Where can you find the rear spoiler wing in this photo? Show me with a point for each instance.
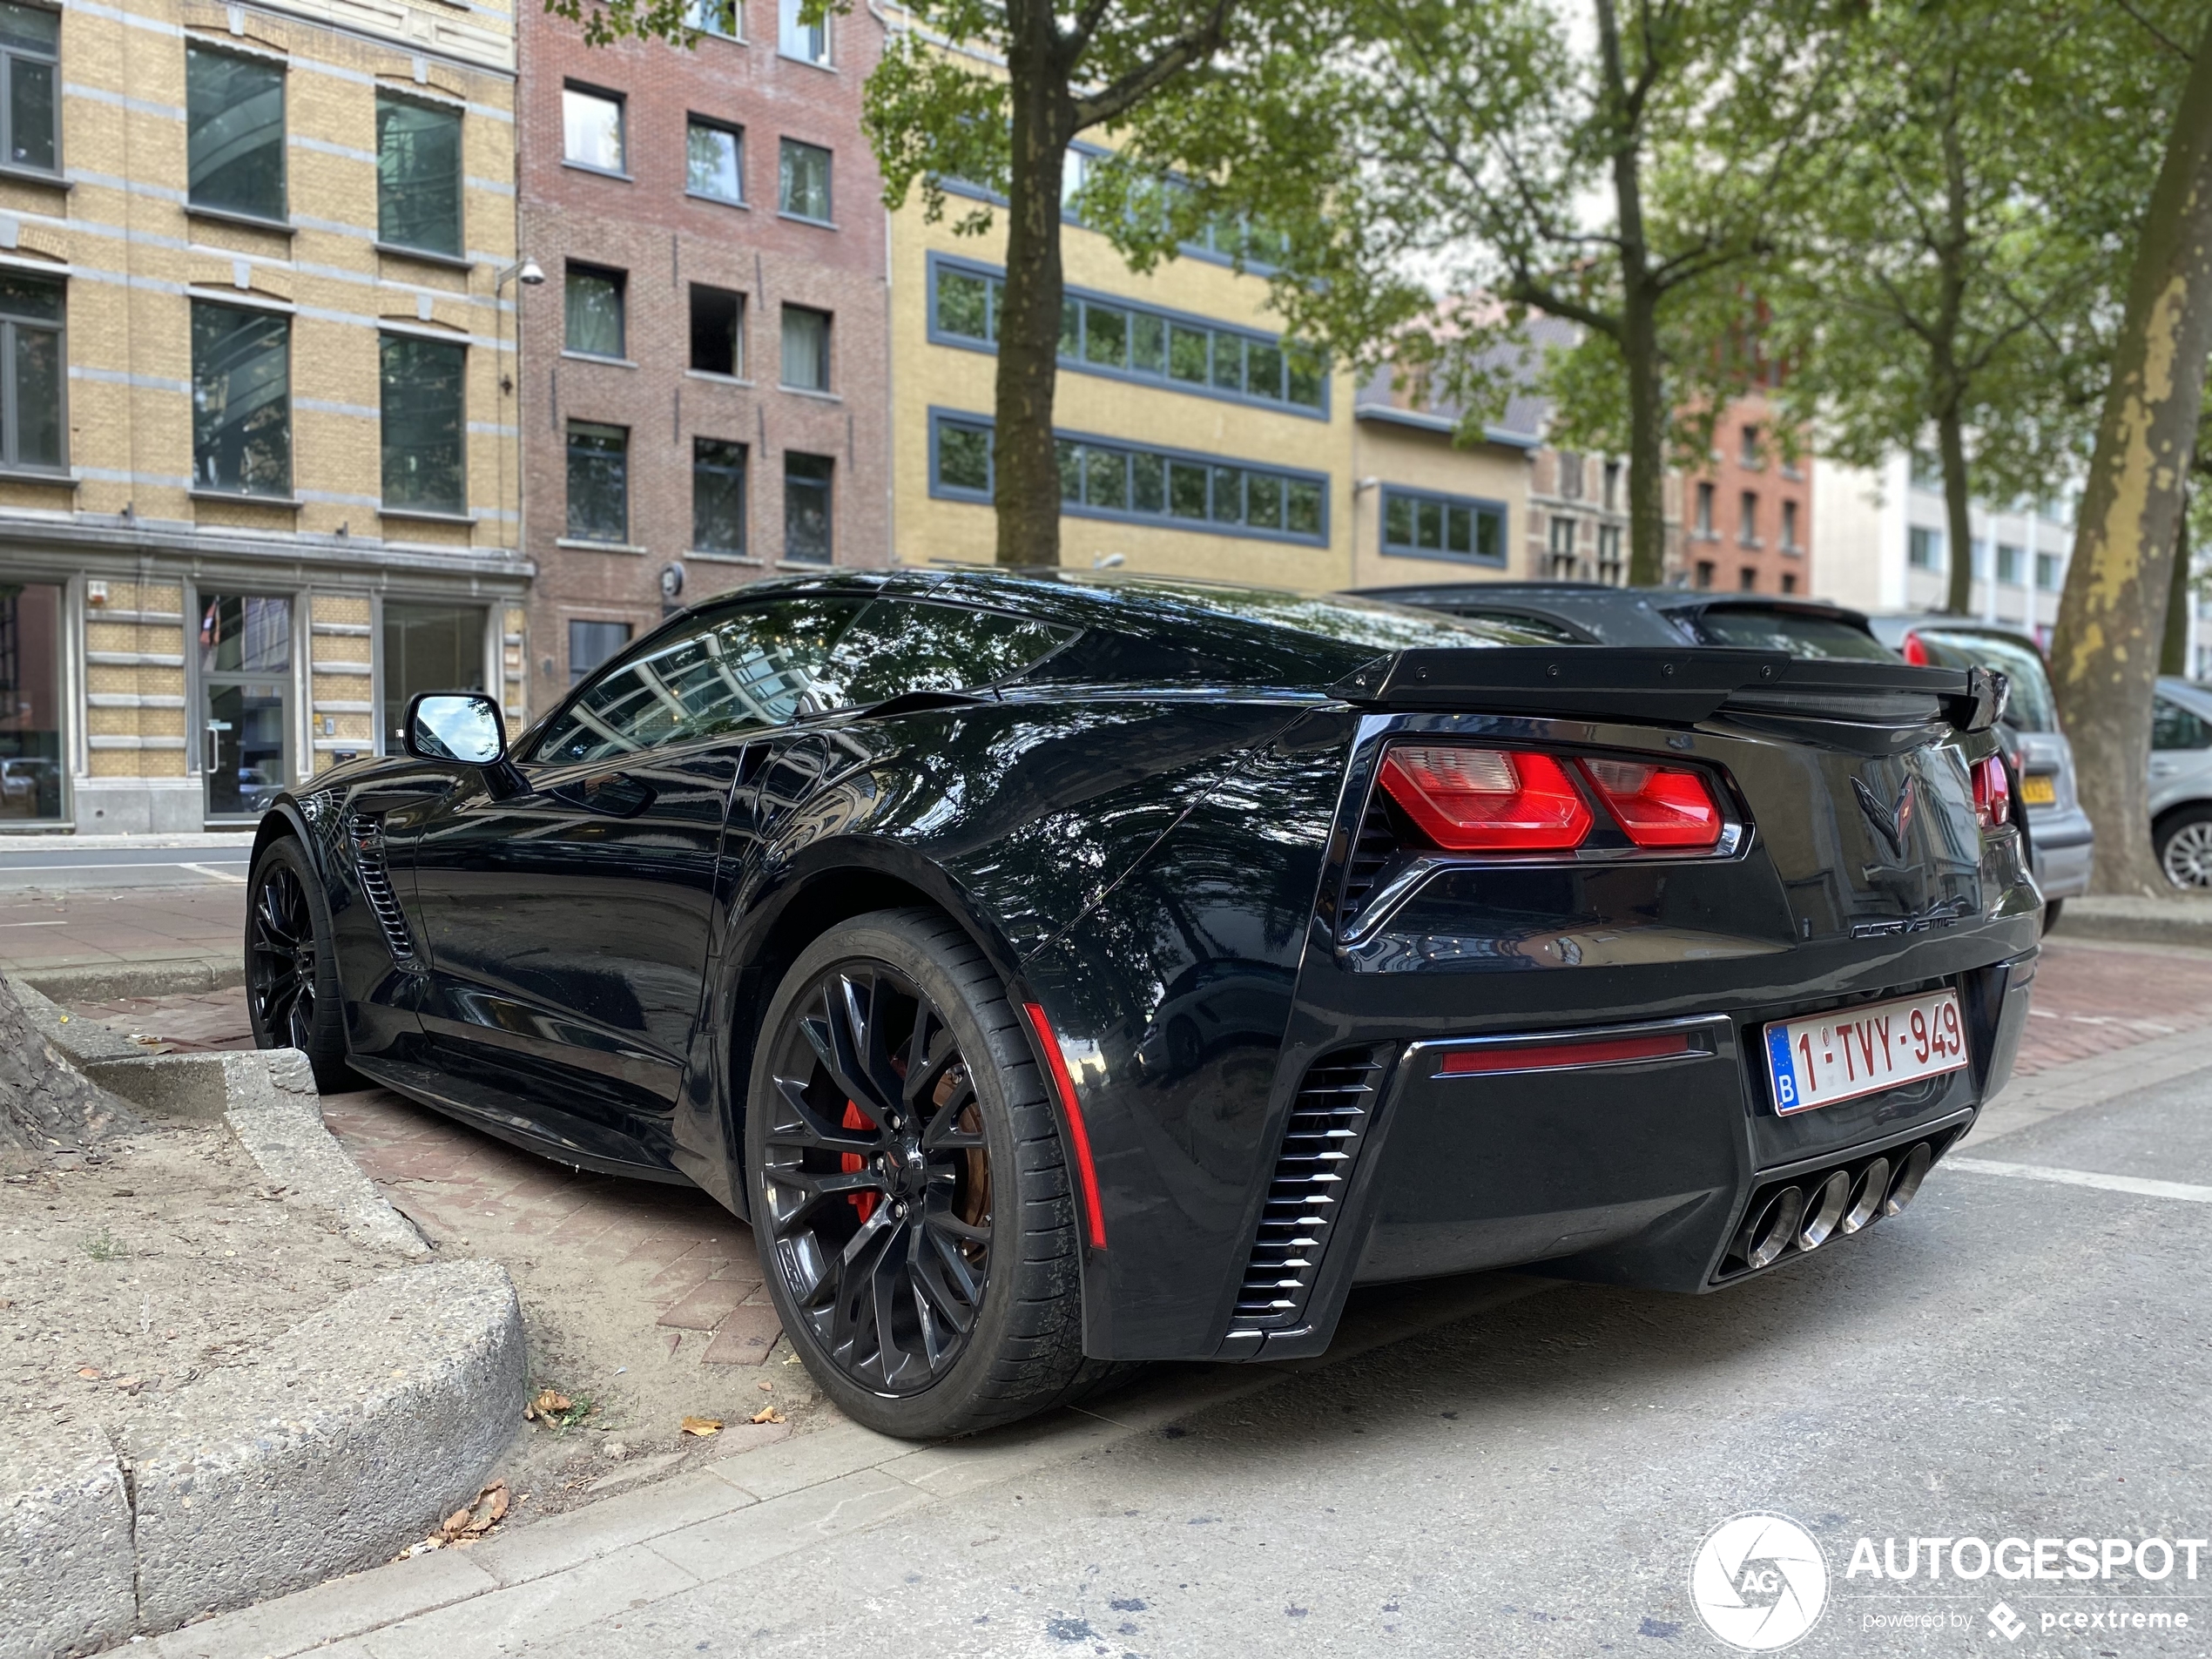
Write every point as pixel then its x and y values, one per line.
pixel 1645 682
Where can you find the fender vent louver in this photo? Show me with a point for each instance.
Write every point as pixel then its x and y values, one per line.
pixel 1321 1143
pixel 366 833
pixel 1376 850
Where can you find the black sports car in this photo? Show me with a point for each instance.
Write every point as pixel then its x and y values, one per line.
pixel 1061 971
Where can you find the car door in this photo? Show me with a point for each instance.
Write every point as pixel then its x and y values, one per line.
pixel 2180 754
pixel 568 923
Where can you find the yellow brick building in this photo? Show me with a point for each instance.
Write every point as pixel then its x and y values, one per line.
pixel 1194 441
pixel 257 467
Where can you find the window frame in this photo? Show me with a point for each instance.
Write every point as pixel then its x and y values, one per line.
pixel 10 393
pixel 736 21
pixel 621 280
pixel 744 473
pixel 827 360
pixel 437 106
pixel 994 278
pixel 289 494
pixel 282 70
pixel 939 418
pixel 736 369
pixel 568 435
pixel 829 510
pixel 785 145
pixel 388 507
pixel 7 100
pixel 733 129
pixel 607 95
pixel 1480 506
pixel 576 679
pixel 784 33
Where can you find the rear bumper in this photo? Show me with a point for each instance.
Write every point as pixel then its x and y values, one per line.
pixel 1642 1172
pixel 2063 846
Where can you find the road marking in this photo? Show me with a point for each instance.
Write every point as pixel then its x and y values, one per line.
pixel 208 869
pixel 33 924
pixel 2136 1184
pixel 151 864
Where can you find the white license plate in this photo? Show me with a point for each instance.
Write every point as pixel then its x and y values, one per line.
pixel 1824 1058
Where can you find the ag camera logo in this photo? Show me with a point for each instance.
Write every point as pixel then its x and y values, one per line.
pixel 1759 1581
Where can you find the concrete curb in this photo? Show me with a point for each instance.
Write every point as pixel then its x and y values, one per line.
pixel 106 982
pixel 67 1577
pixel 2178 920
pixel 363 1426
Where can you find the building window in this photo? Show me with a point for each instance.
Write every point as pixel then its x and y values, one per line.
pixel 598 483
pixel 803 181
pixel 1789 582
pixel 30 46
pixel 1127 482
pixel 808 42
pixel 1751 450
pixel 2046 572
pixel 591 130
pixel 714 17
pixel 246 683
pixel 235 133
pixel 33 370
pixel 1927 470
pixel 1610 570
pixel 418 175
pixel 1705 510
pixel 1746 519
pixel 427 648
pixel 718 331
pixel 1924 549
pixel 31 701
pixel 1570 474
pixel 717 495
pixel 1704 573
pixel 714 159
pixel 1562 547
pixel 595 311
pixel 591 644
pixel 1612 486
pixel 1790 527
pixel 241 400
pixel 806 348
pixel 2009 561
pixel 806 508
pixel 1748 579
pixel 1419 525
pixel 425 464
pixel 1107 336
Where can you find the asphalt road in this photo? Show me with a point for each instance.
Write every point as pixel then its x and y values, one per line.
pixel 70 869
pixel 2018 1356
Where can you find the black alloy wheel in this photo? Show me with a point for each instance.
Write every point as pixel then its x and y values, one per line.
pixel 292 994
pixel 909 1194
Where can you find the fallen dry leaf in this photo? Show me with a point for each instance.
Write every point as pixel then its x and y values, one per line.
pixel 551 1402
pixel 91 1373
pixel 766 1388
pixel 702 1426
pixel 480 1516
pixel 767 1414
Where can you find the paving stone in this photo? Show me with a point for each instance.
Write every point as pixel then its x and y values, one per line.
pixel 745 1338
pixel 706 1305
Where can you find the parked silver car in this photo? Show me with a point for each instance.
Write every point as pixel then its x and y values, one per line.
pixel 2060 839
pixel 2180 781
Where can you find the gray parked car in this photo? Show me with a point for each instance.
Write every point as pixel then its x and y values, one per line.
pixel 2063 844
pixel 2180 781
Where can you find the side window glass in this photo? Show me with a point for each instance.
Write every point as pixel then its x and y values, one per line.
pixel 2173 726
pixel 899 647
pixel 747 666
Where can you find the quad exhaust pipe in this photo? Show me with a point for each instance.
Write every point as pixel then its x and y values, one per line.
pixel 1804 1214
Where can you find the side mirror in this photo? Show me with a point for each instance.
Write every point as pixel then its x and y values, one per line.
pixel 464 727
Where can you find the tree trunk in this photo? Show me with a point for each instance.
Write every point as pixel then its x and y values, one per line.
pixel 46 1104
pixel 1959 598
pixel 1025 468
pixel 2174 655
pixel 2110 619
pixel 1639 336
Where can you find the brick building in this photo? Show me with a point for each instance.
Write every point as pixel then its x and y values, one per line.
pixel 703 364
pixel 255 456
pixel 1747 518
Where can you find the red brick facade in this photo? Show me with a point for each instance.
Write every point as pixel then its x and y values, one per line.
pixel 644 224
pixel 1747 520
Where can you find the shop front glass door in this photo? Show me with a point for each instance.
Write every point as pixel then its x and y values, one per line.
pixel 245 680
pixel 31 701
pixel 427 648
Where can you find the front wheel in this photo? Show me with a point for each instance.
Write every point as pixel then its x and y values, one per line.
pixel 912 1204
pixel 292 994
pixel 2185 848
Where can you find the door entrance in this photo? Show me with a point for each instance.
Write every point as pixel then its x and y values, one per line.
pixel 245 698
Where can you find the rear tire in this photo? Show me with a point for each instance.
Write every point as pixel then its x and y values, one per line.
pixel 912 1204
pixel 2184 844
pixel 293 996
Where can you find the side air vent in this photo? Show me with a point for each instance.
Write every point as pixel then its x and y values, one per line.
pixel 1372 854
pixel 1320 1148
pixel 366 831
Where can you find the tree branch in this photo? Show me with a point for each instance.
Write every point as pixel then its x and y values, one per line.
pixel 1132 89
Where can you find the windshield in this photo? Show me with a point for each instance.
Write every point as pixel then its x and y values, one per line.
pixel 2032 707
pixel 1801 633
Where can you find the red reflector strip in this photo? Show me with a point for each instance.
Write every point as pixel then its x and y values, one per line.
pixel 1064 1085
pixel 1552 1056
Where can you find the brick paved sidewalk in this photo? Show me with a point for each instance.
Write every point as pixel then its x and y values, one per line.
pixel 107 928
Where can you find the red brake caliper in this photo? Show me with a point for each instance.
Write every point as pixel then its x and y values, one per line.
pixel 853 1162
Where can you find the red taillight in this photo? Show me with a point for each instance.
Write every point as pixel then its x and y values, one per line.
pixel 1993 792
pixel 1915 652
pixel 1488 800
pixel 1657 805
